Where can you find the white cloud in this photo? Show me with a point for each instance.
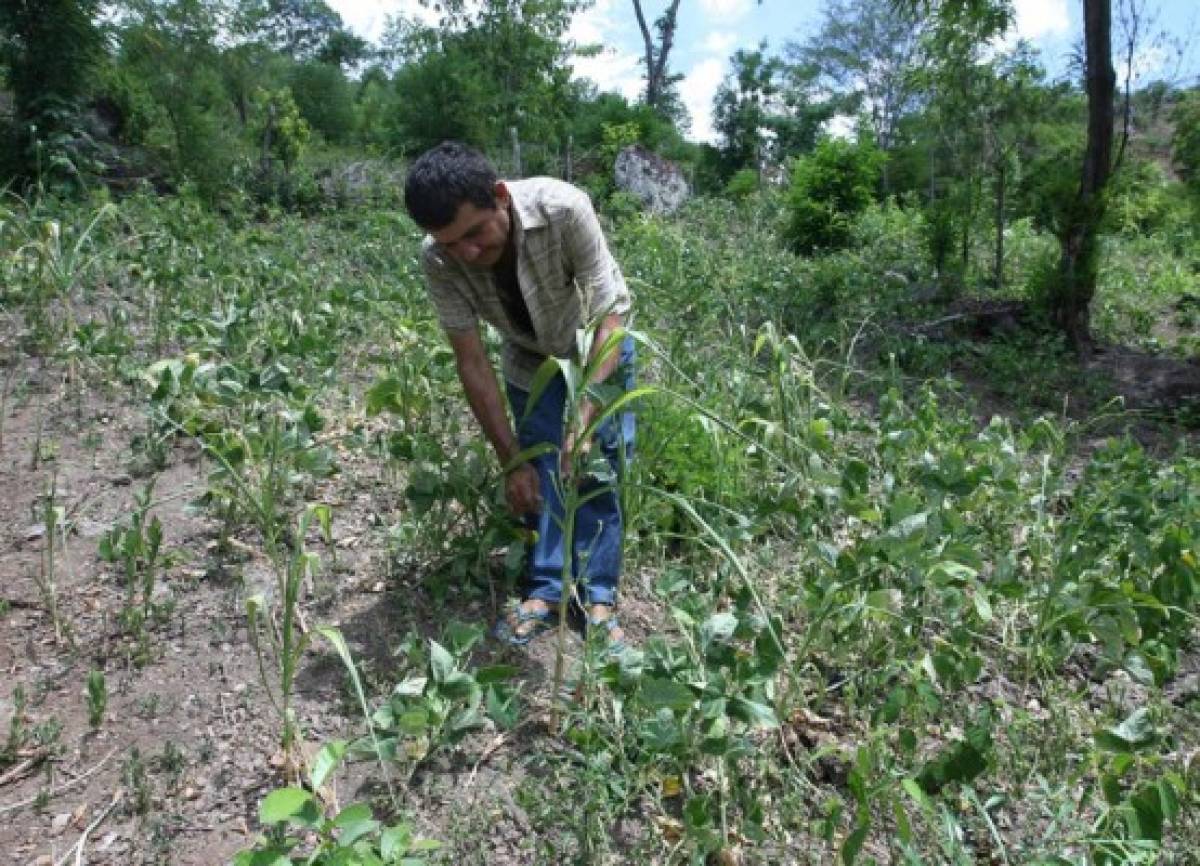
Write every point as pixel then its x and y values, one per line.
pixel 725 10
pixel 719 43
pixel 1148 65
pixel 698 88
pixel 1038 19
pixel 367 17
pixel 613 69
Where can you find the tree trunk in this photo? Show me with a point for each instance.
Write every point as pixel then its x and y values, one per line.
pixel 1001 177
pixel 656 58
pixel 1080 235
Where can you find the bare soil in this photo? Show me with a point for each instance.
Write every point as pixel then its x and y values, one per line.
pixel 189 743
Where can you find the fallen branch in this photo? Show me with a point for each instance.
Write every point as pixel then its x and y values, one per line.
pixel 54 792
pixel 77 848
pixel 22 769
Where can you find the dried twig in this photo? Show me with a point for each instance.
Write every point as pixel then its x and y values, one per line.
pixel 22 769
pixel 53 792
pixel 81 843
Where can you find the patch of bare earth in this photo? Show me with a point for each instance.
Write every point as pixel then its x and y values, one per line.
pixel 188 745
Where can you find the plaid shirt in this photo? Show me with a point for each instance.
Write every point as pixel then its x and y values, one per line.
pixel 566 274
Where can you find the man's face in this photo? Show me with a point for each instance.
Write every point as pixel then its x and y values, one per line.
pixel 478 236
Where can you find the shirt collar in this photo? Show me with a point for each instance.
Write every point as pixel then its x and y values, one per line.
pixel 524 204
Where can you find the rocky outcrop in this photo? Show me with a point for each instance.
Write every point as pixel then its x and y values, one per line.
pixel 656 182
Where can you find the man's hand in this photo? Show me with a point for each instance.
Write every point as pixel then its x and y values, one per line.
pixel 522 490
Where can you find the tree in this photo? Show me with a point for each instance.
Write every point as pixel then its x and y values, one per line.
pixel 762 113
pixel 305 30
pixel 744 106
pixel 170 48
pixel 657 53
pixel 867 55
pixel 830 188
pixel 484 68
pixel 1185 143
pixel 324 99
pixel 1079 240
pixel 1079 226
pixel 49 48
pixel 661 94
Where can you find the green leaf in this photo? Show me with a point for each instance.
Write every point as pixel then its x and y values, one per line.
pixel 1148 809
pixel 1135 733
pixel 852 847
pixel 394 842
pixel 496 674
pixel 326 761
pixel 293 805
pixel 961 761
pixel 273 856
pixel 914 791
pixel 355 822
pixel 753 713
pixel 719 626
pixel 461 636
pixel 441 663
pixel 667 694
pixel 384 395
pixel 982 606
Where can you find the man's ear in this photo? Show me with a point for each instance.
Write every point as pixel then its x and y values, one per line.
pixel 503 196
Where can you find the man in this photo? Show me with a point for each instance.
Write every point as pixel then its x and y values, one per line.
pixel 528 257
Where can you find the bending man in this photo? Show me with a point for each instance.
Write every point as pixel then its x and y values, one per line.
pixel 529 258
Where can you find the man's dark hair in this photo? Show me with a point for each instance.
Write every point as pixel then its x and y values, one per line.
pixel 445 177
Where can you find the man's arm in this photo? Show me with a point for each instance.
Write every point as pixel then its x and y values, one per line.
pixel 487 405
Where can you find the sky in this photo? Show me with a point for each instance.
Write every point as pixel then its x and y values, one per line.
pixel 709 31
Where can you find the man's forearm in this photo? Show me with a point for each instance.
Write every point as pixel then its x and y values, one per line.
pixel 483 395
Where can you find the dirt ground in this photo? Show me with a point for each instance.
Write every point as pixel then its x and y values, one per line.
pixel 189 742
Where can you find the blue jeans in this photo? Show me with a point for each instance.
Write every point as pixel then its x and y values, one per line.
pixel 596 546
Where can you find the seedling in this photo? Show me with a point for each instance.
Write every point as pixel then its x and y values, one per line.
pixel 97 698
pixel 53 522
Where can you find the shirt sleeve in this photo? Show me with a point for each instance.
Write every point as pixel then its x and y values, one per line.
pixel 454 311
pixel 596 271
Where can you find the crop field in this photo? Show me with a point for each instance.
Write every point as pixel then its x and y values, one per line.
pixel 891 599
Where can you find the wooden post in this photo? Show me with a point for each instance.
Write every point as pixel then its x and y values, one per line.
pixel 516 151
pixel 569 165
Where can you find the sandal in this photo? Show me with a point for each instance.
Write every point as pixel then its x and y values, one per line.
pixel 509 629
pixel 614 646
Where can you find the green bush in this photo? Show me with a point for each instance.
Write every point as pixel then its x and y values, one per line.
pixel 742 185
pixel 830 188
pixel 1143 200
pixel 1185 143
pixel 325 100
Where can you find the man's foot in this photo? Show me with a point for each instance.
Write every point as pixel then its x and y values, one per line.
pixel 603 619
pixel 524 621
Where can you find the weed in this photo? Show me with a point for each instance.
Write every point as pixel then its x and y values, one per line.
pixel 17 730
pixel 97 698
pixel 137 783
pixel 53 523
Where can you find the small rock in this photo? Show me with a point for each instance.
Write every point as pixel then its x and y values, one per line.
pixel 35 532
pixel 60 823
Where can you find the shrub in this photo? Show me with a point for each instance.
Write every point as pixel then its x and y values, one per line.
pixel 742 185
pixel 830 187
pixel 1185 143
